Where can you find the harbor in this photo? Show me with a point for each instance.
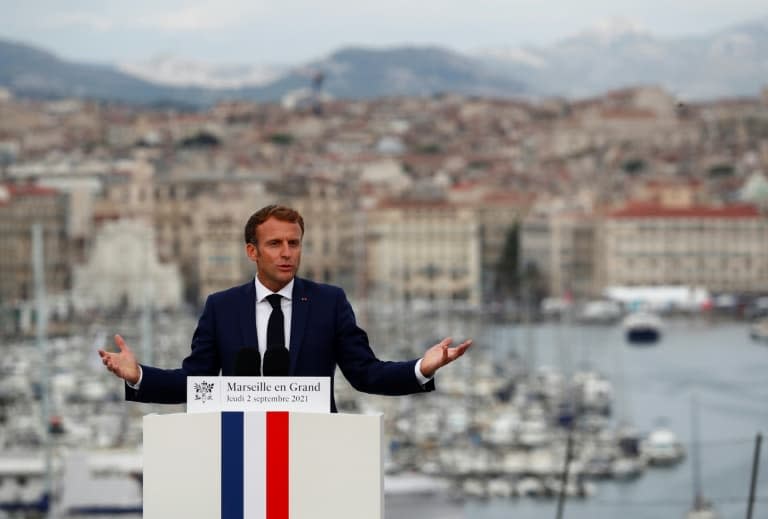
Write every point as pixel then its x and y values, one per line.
pixel 715 362
pixel 492 440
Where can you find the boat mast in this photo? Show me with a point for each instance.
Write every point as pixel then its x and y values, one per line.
pixel 147 302
pixel 700 504
pixel 41 309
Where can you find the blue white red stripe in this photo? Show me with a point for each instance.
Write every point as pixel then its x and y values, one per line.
pixel 255 465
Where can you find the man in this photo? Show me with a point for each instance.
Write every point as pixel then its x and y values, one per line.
pixel 315 322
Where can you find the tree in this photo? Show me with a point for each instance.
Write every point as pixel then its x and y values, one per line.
pixel 507 269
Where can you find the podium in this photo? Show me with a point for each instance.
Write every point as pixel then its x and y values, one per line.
pixel 263 465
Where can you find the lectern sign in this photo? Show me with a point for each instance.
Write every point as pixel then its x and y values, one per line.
pixel 304 394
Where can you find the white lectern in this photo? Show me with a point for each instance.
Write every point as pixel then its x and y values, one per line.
pixel 263 465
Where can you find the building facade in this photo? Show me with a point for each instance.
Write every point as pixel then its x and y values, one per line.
pixel 721 248
pixel 424 251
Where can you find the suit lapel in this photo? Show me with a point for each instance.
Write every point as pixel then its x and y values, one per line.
pixel 300 314
pixel 248 316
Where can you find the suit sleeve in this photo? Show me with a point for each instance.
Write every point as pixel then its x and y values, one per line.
pixel 169 386
pixel 359 364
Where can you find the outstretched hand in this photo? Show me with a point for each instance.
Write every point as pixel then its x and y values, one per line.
pixel 441 354
pixel 122 363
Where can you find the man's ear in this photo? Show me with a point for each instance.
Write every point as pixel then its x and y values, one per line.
pixel 251 251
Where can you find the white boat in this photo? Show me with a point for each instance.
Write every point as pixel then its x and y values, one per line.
pixel 594 392
pixel 702 509
pixel 22 483
pixel 599 465
pixel 95 483
pixel 530 487
pixel 553 307
pixel 574 487
pixel 626 468
pixel 500 487
pixel 533 433
pixel 501 431
pixel 662 448
pixel 759 330
pixel 474 488
pixel 602 311
pixel 642 327
pixel 117 492
pixel 414 484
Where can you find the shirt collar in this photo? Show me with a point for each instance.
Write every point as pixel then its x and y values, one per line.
pixel 262 292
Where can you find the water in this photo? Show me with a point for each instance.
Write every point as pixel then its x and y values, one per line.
pixel 653 385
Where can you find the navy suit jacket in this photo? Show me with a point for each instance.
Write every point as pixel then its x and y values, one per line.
pixel 324 334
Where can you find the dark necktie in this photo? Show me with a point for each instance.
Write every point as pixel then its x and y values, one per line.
pixel 276 358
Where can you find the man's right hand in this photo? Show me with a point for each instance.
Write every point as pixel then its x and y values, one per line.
pixel 122 363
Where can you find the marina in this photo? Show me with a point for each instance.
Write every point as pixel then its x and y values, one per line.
pixel 491 440
pixel 716 361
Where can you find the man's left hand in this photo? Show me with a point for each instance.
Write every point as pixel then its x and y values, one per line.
pixel 441 354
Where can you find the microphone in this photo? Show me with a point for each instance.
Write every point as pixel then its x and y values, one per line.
pixel 248 363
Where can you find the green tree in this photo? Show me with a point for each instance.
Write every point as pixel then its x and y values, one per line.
pixel 507 269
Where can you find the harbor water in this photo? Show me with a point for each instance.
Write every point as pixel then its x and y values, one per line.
pixel 717 364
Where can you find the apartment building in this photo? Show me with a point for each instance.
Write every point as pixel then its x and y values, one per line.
pixel 565 249
pixel 218 221
pixel 333 246
pixel 21 206
pixel 199 221
pixel 425 250
pixel 721 248
pixel 123 271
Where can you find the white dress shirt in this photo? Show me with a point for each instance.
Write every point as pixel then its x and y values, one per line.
pixel 264 310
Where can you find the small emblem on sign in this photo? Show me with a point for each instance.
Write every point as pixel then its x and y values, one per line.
pixel 203 391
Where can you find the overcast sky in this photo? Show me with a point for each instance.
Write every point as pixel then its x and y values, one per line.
pixel 293 31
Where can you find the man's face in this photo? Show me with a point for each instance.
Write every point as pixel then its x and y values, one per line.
pixel 277 253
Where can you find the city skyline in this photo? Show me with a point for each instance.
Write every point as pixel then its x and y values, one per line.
pixel 240 32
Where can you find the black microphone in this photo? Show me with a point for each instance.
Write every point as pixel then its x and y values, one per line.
pixel 248 363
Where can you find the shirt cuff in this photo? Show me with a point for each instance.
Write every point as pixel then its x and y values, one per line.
pixel 137 385
pixel 419 375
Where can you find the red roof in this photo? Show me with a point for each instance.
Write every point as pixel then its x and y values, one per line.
pixel 416 204
pixel 657 211
pixel 509 197
pixel 29 190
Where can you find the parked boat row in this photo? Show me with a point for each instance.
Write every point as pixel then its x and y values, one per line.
pixel 496 428
pixel 79 483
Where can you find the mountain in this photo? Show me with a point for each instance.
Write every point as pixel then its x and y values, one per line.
pixel 361 72
pixel 173 71
pixel 727 63
pixel 31 72
pixel 349 73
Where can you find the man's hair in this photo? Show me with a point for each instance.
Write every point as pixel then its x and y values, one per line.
pixel 280 212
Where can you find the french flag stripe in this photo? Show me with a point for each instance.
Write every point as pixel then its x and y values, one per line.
pixel 255 482
pixel 232 465
pixel 277 464
pixel 254 465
